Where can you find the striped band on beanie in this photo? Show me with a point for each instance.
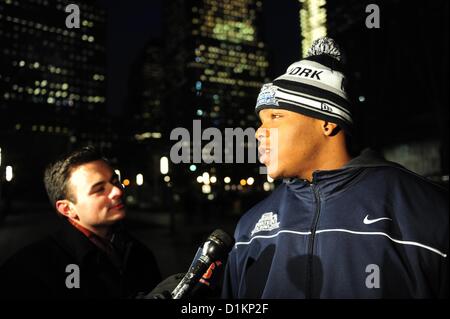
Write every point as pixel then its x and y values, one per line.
pixel 314 86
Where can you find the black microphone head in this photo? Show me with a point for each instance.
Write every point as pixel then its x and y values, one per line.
pixel 215 248
pixel 223 237
pixel 218 244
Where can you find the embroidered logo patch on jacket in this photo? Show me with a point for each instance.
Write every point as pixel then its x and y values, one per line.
pixel 268 221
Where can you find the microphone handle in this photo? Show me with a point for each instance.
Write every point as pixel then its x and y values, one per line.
pixel 192 276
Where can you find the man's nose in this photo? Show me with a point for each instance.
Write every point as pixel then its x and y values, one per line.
pixel 116 191
pixel 261 133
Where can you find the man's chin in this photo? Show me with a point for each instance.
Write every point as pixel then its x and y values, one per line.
pixel 279 174
pixel 117 214
pixel 273 172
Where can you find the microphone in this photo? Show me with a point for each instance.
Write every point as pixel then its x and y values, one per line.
pixel 216 247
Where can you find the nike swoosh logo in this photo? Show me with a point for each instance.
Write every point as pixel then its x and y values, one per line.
pixel 368 221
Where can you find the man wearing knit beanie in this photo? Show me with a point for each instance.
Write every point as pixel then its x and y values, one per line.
pixel 337 226
pixel 311 100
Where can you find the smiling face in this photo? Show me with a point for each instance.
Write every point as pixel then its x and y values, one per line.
pixel 96 194
pixel 289 143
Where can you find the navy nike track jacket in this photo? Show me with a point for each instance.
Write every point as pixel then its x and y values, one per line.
pixel 369 230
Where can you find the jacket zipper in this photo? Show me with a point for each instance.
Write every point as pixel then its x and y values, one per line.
pixel 309 277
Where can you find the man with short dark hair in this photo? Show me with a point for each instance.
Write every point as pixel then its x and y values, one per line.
pixel 91 256
pixel 338 226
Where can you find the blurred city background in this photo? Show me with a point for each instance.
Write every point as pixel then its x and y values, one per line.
pixel 135 70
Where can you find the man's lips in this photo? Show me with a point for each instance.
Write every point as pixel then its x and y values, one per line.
pixel 118 206
pixel 264 154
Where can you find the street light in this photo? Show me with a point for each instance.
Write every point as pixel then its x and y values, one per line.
pixel 206 189
pixel 164 165
pixel 9 173
pixel 205 177
pixel 139 179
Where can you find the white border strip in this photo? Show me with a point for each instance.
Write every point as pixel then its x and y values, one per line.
pixel 314 104
pixel 271 236
pixel 402 242
pixel 314 98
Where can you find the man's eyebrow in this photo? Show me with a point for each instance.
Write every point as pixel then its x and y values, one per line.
pixel 97 184
pixel 114 177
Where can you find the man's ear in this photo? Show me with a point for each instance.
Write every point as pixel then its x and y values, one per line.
pixel 64 207
pixel 329 129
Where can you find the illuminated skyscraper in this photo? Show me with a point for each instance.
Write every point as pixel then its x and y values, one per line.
pixel 219 46
pixel 217 63
pixel 52 80
pixel 44 63
pixel 313 22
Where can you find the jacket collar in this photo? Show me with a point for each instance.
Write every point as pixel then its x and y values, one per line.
pixel 333 181
pixel 74 242
pixel 369 158
pixel 77 244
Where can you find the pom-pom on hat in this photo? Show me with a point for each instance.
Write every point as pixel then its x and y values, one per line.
pixel 314 86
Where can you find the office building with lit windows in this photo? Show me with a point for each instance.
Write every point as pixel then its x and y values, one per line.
pixel 52 80
pixel 46 63
pixel 217 63
pixel 218 50
pixel 313 22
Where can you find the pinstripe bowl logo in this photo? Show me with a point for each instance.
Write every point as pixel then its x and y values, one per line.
pixel 267 95
pixel 268 221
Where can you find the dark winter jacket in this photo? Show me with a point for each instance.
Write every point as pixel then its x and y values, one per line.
pixel 369 230
pixel 68 265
